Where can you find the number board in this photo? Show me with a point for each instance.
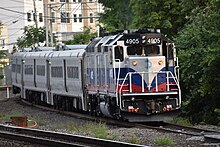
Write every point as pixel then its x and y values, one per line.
pixel 132 39
pixel 151 39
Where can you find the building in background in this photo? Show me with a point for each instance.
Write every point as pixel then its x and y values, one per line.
pixel 16 14
pixel 4 59
pixel 3 37
pixel 68 17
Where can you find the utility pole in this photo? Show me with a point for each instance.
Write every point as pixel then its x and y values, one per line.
pixel 35 19
pixel 51 26
pixel 35 14
pixel 46 23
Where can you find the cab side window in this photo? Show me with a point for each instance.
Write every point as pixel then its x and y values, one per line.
pixel 119 54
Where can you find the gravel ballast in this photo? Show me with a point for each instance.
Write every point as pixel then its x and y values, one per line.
pixel 57 122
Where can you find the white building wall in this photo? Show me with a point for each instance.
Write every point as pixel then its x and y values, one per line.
pixel 17 19
pixel 14 16
pixel 3 38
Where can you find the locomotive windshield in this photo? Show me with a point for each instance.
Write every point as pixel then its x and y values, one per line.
pixel 149 50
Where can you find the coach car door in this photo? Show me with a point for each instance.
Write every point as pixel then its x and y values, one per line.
pixel 48 81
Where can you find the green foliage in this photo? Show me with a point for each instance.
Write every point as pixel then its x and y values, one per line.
pixel 181 121
pixel 98 130
pixel 82 38
pixel 163 140
pixel 133 139
pixel 7 117
pixel 31 36
pixel 2 116
pixel 199 53
pixel 166 15
pixel 2 54
pixel 117 14
pixel 1 76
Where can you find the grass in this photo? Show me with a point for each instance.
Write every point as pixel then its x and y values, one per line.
pixel 164 140
pixel 181 121
pixel 133 139
pixel 7 117
pixel 98 130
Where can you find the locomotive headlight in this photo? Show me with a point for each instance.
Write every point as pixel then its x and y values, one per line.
pixel 134 63
pixel 132 99
pixel 160 62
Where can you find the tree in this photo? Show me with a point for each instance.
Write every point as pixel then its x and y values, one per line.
pixel 199 51
pixel 165 15
pixel 117 14
pixel 82 38
pixel 31 36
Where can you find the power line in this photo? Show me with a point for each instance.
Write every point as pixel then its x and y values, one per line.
pixel 12 10
pixel 22 2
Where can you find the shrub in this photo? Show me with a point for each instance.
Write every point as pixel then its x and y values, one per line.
pixel 164 140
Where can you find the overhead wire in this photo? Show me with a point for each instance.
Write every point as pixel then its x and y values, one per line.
pixel 22 2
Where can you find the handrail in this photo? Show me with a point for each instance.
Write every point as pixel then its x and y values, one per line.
pixel 142 73
pixel 119 70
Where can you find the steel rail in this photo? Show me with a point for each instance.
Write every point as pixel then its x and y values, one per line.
pixel 37 140
pixel 209 135
pixel 57 139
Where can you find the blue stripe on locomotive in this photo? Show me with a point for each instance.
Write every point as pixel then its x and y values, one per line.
pixel 137 79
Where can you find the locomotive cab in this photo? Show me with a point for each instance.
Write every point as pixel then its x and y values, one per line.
pixel 146 71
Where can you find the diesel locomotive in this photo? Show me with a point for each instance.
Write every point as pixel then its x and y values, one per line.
pixel 133 75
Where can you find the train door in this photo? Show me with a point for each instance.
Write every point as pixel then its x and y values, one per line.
pixel 118 58
pixel 118 54
pixel 16 70
pixel 49 98
pixel 98 71
pixel 35 68
pixel 106 71
pixel 65 75
pixel 22 78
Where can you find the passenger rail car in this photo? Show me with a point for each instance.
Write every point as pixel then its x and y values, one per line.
pixel 121 75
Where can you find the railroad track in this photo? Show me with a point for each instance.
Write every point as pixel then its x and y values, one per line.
pixel 48 138
pixel 208 135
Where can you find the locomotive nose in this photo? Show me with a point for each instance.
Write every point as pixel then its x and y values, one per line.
pixel 146 70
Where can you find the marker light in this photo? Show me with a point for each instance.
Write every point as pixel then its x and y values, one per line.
pixel 160 62
pixel 134 63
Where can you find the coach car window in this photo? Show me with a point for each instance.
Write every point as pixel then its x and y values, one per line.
pixel 57 71
pixel 73 72
pixel 18 69
pixel 119 53
pixel 28 69
pixel 13 67
pixel 40 70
